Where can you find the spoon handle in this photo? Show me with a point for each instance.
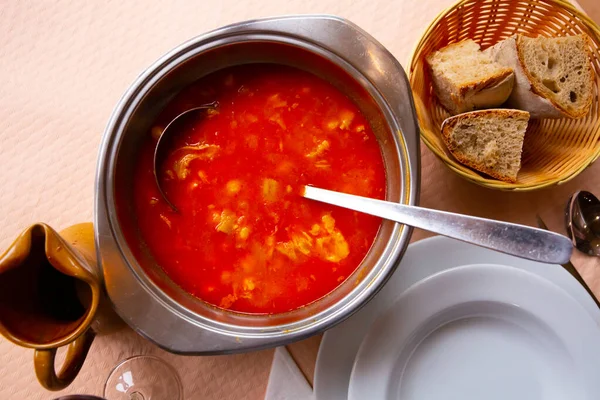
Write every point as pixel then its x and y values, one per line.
pixel 517 240
pixel 571 268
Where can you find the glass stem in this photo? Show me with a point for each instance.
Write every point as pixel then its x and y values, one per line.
pixel 136 396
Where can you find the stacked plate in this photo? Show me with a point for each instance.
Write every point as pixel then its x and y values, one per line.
pixel 460 322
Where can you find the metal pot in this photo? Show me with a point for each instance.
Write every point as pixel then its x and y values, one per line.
pixel 327 46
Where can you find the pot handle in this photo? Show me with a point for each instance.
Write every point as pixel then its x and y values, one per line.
pixel 43 361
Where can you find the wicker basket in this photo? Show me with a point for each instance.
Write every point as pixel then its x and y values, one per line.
pixel 554 150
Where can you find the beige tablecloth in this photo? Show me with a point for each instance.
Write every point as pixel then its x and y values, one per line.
pixel 64 65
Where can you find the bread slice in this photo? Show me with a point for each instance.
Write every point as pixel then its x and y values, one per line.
pixel 554 76
pixel 489 141
pixel 466 79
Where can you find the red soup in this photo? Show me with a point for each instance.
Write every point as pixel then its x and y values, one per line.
pixel 244 239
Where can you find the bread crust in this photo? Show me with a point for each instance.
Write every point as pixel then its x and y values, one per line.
pixel 488 92
pixel 450 123
pixel 491 81
pixel 505 52
pixel 536 87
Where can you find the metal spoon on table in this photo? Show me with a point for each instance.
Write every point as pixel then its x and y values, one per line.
pixel 582 220
pixel 165 140
pixel 570 268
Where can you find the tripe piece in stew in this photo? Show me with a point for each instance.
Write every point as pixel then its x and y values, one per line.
pixel 244 239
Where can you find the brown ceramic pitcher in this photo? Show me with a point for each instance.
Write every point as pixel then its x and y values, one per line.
pixel 51 295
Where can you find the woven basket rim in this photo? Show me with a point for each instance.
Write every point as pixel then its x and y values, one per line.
pixel 473 176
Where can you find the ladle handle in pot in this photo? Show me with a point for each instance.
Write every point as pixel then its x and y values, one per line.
pixel 43 361
pixel 517 240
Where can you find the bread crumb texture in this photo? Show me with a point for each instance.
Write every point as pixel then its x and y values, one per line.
pixel 490 141
pixel 560 70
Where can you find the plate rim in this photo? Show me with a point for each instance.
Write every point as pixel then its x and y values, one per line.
pixel 332 372
pixel 581 324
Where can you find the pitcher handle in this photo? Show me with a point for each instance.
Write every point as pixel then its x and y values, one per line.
pixel 43 361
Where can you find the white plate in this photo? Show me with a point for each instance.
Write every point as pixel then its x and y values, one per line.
pixel 480 331
pixel 422 259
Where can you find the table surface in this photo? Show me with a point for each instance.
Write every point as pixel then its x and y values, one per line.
pixel 64 65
